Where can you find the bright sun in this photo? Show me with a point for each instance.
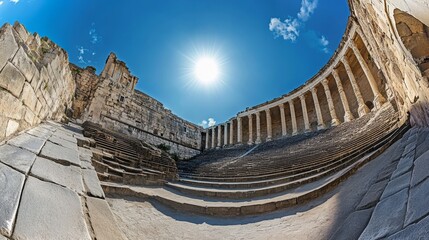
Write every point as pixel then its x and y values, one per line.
pixel 206 70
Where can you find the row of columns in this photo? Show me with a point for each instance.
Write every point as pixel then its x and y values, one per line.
pixel 348 116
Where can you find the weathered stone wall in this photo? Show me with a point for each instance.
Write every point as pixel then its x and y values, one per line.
pixel 35 80
pixel 396 35
pixel 111 101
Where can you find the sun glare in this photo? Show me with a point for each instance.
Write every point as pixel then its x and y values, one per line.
pixel 205 67
pixel 206 70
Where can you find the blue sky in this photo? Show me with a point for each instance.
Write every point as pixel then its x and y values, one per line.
pixel 265 48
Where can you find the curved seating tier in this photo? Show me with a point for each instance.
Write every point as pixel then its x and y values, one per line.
pixel 126 160
pixel 283 164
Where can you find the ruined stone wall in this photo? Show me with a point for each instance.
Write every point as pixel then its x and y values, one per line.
pixel 396 34
pixel 35 80
pixel 115 105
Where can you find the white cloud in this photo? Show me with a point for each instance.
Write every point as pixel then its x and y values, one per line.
pixel 14 1
pixel 81 53
pixel 287 29
pixel 1 3
pixel 207 123
pixel 324 43
pixel 307 8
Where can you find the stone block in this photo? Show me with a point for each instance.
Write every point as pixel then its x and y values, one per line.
pixel 404 165
pixel 29 97
pixel 387 218
pixel 373 195
pixel 11 79
pixel 21 31
pixel 8 45
pixel 397 185
pixel 353 226
pixel 12 127
pixel 419 231
pixel 92 184
pixel 24 64
pixel 418 203
pixel 60 154
pixel 28 142
pixel 67 176
pixel 49 211
pixel 29 116
pixel 102 220
pixel 66 136
pixel 40 132
pixel 3 126
pixel 18 158
pixel 10 188
pixel 421 169
pixel 62 142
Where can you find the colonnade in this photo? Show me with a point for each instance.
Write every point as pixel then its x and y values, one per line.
pixel 232 131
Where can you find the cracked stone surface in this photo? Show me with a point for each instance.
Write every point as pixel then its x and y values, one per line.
pixel 28 142
pixel 63 142
pixel 373 195
pixel 68 176
pixel 65 135
pixel 396 185
pixel 421 169
pixel 102 219
pixel 388 217
pixel 92 184
pixel 404 165
pixel 418 203
pixel 355 224
pixel 61 154
pixel 49 211
pixel 17 158
pixel 419 231
pixel 10 188
pixel 40 132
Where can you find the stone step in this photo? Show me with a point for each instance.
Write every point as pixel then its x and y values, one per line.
pixel 234 207
pixel 315 166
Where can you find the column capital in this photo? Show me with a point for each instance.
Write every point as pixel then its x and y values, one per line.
pixel 314 90
pixel 325 82
pixel 267 110
pixel 302 97
pixel 281 106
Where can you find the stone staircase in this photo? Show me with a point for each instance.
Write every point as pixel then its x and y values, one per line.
pixel 280 183
pixel 126 160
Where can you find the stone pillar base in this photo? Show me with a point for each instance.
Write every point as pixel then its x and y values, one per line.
pixel 348 117
pixel 250 143
pixel 335 122
pixel 379 100
pixel 269 139
pixel 294 133
pixel 258 141
pixel 363 110
pixel 321 126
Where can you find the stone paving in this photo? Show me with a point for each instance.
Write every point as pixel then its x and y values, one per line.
pixel 49 189
pixel 400 209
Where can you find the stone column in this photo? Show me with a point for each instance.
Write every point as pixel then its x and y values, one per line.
pixel 219 136
pixel 225 134
pixel 283 119
pixel 320 123
pixel 348 116
pixel 378 98
pixel 239 133
pixel 231 132
pixel 293 117
pixel 334 121
pixel 207 138
pixel 269 125
pixel 213 137
pixel 304 113
pixel 258 127
pixel 250 142
pixel 362 109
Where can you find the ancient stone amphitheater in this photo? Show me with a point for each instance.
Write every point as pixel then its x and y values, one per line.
pixel 344 156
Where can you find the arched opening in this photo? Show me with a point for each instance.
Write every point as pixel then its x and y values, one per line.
pixel 369 104
pixel 415 37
